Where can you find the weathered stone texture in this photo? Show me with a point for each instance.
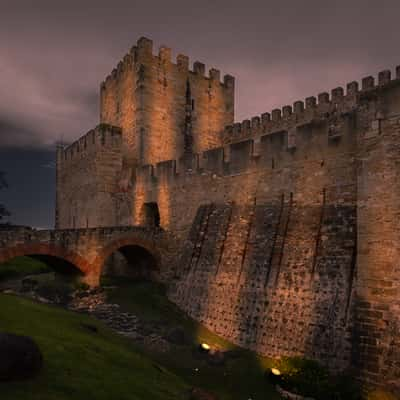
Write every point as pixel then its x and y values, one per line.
pixel 89 249
pixel 87 180
pixel 145 96
pixel 287 224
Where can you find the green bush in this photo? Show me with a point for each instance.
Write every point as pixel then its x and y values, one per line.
pixel 308 378
pixel 304 377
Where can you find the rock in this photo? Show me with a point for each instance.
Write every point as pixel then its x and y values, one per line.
pixel 28 284
pixel 96 290
pixel 81 294
pixel 9 291
pixel 201 394
pixel 177 336
pixel 216 357
pixel 156 343
pixel 20 357
pixel 55 292
pixel 89 327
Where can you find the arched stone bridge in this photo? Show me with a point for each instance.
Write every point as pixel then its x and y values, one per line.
pixel 88 249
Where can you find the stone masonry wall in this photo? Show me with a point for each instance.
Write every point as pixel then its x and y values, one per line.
pixel 145 96
pixel 293 247
pixel 272 247
pixel 287 223
pixel 88 172
pixel 376 349
pixel 87 250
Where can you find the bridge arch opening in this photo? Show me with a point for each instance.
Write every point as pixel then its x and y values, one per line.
pixel 20 260
pixel 57 264
pixel 133 262
pixel 38 263
pixel 50 277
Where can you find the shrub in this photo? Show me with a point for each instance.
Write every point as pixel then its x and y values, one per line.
pixel 304 377
pixel 308 378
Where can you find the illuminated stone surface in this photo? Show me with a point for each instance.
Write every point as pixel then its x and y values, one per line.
pixel 286 226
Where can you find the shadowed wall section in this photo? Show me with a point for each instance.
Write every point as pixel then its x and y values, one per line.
pixel 265 280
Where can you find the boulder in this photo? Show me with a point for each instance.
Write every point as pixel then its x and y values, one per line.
pixel 216 357
pixel 177 336
pixel 28 284
pixel 201 394
pixel 20 357
pixel 55 292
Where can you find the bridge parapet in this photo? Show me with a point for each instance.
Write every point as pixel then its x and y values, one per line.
pixel 88 249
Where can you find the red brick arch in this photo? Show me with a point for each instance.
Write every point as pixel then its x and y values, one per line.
pixel 131 240
pixel 47 250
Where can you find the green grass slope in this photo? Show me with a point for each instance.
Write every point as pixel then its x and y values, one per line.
pixel 22 266
pixel 240 378
pixel 79 364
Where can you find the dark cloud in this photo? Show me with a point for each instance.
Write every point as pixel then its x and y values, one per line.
pixel 12 133
pixel 54 54
pixel 30 195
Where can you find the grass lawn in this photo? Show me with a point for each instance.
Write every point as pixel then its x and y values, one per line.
pixel 22 266
pixel 241 378
pixel 80 364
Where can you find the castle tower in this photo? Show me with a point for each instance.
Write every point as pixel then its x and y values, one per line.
pixel 147 96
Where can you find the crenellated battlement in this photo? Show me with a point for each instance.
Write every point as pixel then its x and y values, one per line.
pixel 96 139
pixel 269 151
pixel 321 108
pixel 142 53
pixel 150 95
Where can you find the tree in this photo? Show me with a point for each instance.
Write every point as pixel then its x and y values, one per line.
pixel 3 184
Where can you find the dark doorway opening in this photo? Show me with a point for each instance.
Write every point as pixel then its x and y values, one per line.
pixel 151 215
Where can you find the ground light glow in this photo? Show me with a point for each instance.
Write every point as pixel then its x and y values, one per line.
pixel 276 371
pixel 205 346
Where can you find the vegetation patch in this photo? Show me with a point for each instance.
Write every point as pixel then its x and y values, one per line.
pixel 82 363
pixel 232 373
pixel 308 378
pixel 22 266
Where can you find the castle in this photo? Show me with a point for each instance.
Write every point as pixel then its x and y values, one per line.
pixel 287 224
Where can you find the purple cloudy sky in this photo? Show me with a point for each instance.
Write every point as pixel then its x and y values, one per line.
pixel 53 55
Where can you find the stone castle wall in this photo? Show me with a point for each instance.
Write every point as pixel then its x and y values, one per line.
pixel 269 261
pixel 145 96
pixel 287 223
pixel 295 236
pixel 88 172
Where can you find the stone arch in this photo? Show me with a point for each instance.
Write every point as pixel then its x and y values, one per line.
pixel 40 249
pixel 131 241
